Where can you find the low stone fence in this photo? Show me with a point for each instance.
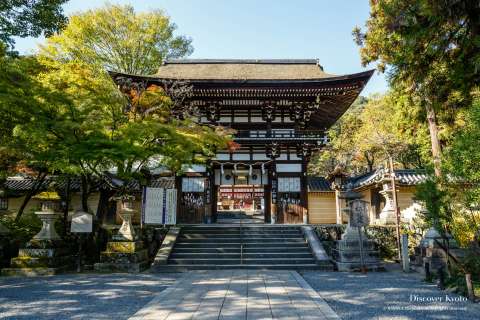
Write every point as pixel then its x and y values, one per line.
pixel 383 236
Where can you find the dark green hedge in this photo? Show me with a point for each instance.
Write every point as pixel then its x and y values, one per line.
pixel 384 237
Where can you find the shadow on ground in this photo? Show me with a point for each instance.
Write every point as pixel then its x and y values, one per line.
pixel 388 295
pixel 79 296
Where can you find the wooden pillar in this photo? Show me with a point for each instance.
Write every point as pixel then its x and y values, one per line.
pixel 267 198
pixel 178 187
pixel 338 206
pixel 208 212
pixel 214 196
pixel 273 180
pixel 304 191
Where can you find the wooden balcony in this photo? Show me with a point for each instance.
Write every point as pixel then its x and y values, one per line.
pixel 282 135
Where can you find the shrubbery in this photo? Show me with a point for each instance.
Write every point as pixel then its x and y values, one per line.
pixel 383 236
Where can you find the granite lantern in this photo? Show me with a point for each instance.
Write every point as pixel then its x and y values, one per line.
pixel 46 253
pixel 125 252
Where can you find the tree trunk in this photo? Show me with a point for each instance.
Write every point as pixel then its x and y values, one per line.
pixel 436 148
pixel 370 162
pixel 104 206
pixel 67 204
pixel 84 193
pixel 470 290
pixel 37 185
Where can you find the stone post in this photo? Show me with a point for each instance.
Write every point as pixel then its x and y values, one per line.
pixel 355 251
pixel 405 255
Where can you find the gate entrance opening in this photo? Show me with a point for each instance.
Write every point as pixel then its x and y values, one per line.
pixel 240 203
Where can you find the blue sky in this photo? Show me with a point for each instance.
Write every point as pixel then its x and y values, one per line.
pixel 262 29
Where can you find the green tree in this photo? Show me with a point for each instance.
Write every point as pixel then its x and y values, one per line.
pixel 462 165
pixel 368 134
pixel 119 39
pixel 30 18
pixel 19 106
pixel 431 50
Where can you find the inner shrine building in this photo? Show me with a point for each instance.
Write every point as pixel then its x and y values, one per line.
pixel 280 111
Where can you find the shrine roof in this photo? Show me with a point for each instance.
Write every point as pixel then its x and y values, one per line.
pixel 24 183
pixel 404 177
pixel 242 69
pixel 319 184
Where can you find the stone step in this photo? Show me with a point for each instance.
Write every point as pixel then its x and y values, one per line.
pixel 242 240
pixel 256 228
pixel 230 247
pixel 207 245
pixel 227 261
pixel 246 249
pixel 244 234
pixel 237 255
pixel 188 267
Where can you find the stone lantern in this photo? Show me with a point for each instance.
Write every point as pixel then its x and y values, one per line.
pixel 3 230
pixel 126 231
pixel 337 179
pixel 45 253
pixel 125 252
pixel 355 251
pixel 388 214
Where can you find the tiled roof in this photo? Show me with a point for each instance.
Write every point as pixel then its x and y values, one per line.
pixel 406 177
pixel 19 183
pixel 318 184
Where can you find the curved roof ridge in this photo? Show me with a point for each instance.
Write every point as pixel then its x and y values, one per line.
pixel 242 61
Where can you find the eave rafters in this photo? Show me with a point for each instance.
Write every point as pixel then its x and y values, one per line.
pixel 272 93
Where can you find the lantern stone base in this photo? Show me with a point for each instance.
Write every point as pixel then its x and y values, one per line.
pixel 431 251
pixel 123 256
pixel 40 257
pixel 346 254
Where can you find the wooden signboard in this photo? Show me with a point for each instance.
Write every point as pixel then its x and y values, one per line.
pixel 159 206
pixel 359 213
pixel 81 222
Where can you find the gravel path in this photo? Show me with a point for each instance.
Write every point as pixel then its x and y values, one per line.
pixel 384 295
pixel 84 296
pixel 388 295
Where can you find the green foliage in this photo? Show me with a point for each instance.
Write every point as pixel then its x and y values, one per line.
pixel 30 18
pixel 462 158
pixel 117 38
pixel 99 128
pixel 437 211
pixel 431 46
pixel 383 236
pixel 18 106
pixel 23 230
pixel 371 130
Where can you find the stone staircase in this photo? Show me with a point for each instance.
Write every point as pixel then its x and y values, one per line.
pixel 241 247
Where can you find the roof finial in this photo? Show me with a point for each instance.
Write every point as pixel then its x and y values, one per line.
pixel 319 65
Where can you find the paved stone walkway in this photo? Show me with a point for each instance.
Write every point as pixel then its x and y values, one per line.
pixel 238 294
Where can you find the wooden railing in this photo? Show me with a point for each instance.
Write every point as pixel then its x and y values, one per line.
pixel 281 134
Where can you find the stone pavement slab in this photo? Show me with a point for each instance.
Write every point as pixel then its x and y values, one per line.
pixel 238 294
